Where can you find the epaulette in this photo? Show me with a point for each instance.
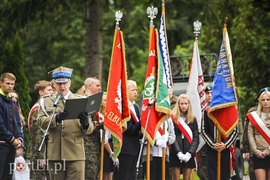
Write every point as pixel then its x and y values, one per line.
pixel 48 95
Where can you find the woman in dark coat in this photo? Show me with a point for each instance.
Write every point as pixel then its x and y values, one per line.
pixel 187 139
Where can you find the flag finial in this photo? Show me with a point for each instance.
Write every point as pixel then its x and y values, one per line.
pixel 118 17
pixel 226 20
pixel 152 12
pixel 197 28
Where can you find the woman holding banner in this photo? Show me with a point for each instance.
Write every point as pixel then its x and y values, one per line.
pixel 131 144
pixel 187 138
pixel 259 135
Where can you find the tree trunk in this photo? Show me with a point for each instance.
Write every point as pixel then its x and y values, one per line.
pixel 93 60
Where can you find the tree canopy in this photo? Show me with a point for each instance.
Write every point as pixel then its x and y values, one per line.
pixel 53 33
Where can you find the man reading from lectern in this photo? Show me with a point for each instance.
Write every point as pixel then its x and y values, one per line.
pixel 65 145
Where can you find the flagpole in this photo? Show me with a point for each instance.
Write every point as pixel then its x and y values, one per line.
pixel 219 133
pixel 102 155
pixel 164 157
pixel 218 157
pixel 152 12
pixel 118 16
pixel 144 133
pixel 197 27
pixel 164 130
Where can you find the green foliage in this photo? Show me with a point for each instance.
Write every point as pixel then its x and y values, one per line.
pixel 251 52
pixel 53 34
pixel 56 41
pixel 12 60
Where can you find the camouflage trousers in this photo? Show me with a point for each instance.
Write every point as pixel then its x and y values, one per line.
pixel 91 170
pixel 251 169
pixel 92 155
pixel 36 172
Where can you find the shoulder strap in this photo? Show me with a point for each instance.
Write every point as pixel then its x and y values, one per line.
pixel 35 107
pixel 42 106
pixel 184 128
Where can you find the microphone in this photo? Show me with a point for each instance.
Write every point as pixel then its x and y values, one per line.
pixel 58 97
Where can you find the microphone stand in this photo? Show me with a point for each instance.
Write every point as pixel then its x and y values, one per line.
pixel 139 165
pixel 45 139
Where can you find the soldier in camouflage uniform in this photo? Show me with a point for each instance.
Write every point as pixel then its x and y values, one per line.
pixel 92 141
pixel 42 88
pixel 92 154
pixel 202 168
pixel 247 153
pixel 173 99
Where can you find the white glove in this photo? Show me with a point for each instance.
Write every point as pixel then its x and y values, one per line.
pixel 165 136
pixel 115 161
pixel 161 142
pixel 186 157
pixel 180 155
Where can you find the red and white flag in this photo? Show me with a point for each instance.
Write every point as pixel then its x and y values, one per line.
pixel 195 88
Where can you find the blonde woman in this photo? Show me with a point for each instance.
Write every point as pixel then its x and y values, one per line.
pixel 258 135
pixel 187 138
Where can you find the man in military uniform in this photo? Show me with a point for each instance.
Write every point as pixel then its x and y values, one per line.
pixel 66 154
pixel 173 98
pixel 38 162
pixel 202 168
pixel 247 153
pixel 209 132
pixel 92 141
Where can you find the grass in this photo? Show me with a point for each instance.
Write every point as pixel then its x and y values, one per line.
pixel 193 176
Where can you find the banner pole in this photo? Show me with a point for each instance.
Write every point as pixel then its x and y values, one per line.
pixel 144 134
pixel 164 130
pixel 102 156
pixel 218 157
pixel 164 157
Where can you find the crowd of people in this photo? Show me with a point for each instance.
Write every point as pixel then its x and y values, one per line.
pixel 63 148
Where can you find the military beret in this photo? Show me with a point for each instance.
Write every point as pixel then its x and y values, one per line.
pixel 209 87
pixel 263 90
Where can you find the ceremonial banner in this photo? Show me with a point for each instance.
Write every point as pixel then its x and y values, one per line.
pixel 154 92
pixel 195 88
pixel 117 107
pixel 223 106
